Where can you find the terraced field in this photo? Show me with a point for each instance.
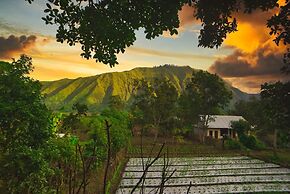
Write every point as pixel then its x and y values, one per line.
pixel 208 175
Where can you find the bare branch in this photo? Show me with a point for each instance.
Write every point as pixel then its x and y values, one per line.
pixel 147 168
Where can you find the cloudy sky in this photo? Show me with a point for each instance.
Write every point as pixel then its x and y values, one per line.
pixel 247 58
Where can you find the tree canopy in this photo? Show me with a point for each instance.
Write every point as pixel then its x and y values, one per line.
pixel 24 118
pixel 105 28
pixel 157 100
pixel 208 92
pixel 276 99
pixel 25 129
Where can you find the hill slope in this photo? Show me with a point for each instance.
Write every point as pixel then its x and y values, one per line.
pixel 95 91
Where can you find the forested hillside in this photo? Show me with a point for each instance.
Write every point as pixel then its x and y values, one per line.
pixel 95 91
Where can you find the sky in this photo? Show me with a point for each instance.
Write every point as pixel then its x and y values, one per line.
pixel 247 58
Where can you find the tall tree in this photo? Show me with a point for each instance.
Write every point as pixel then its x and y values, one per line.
pixel 276 98
pixel 24 129
pixel 105 28
pixel 208 94
pixel 252 111
pixel 157 100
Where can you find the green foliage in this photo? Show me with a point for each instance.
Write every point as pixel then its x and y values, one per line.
pixel 157 100
pixel 248 141
pixel 188 109
pixel 24 119
pixel 232 144
pixel 179 138
pixel 182 131
pixel 71 122
pixel 106 28
pixel 33 158
pixel 26 126
pixel 242 127
pixel 120 130
pixel 276 100
pixel 252 111
pixel 81 109
pixel 25 171
pixel 204 95
pixel 208 92
pixel 60 150
pixel 98 134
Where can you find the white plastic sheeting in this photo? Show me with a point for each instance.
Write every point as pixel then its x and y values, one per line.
pixel 209 175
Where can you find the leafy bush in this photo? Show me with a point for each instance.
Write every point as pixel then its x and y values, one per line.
pixel 184 131
pixel 120 130
pixel 232 144
pixel 251 142
pixel 243 127
pixel 179 139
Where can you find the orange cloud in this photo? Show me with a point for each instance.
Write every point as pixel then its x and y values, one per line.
pixel 252 30
pixel 12 45
pixel 186 16
pixel 248 37
pixel 252 84
pixel 256 58
pixel 248 70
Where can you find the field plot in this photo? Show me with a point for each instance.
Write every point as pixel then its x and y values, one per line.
pixel 208 175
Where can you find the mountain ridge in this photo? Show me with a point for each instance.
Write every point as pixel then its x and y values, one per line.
pixel 96 90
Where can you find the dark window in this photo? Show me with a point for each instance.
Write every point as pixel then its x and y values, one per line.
pixel 210 133
pixel 224 132
pixel 216 134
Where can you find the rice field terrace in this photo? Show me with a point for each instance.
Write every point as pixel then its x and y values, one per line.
pixel 238 174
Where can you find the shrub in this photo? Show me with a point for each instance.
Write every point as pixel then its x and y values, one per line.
pixel 232 144
pixel 179 139
pixel 150 130
pixel 251 142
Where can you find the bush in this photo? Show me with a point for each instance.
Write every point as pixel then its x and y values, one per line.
pixel 184 131
pixel 179 139
pixel 232 144
pixel 150 130
pixel 251 142
pixel 260 145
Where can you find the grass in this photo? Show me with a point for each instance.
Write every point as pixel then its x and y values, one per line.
pixel 282 156
pixel 190 149
pixel 116 177
pixel 175 149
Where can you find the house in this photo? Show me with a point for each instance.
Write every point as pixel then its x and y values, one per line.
pixel 220 125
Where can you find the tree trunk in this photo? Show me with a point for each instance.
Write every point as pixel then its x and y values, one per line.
pixel 275 139
pixel 108 126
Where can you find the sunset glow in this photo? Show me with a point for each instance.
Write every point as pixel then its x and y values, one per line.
pixel 53 60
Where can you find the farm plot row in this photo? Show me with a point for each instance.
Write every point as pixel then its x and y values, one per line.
pixel 229 188
pixel 197 162
pixel 203 167
pixel 209 180
pixel 209 175
pixel 138 161
pixel 215 172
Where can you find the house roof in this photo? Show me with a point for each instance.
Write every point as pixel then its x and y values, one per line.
pixel 222 121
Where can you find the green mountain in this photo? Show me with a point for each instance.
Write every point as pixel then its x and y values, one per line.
pixel 95 91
